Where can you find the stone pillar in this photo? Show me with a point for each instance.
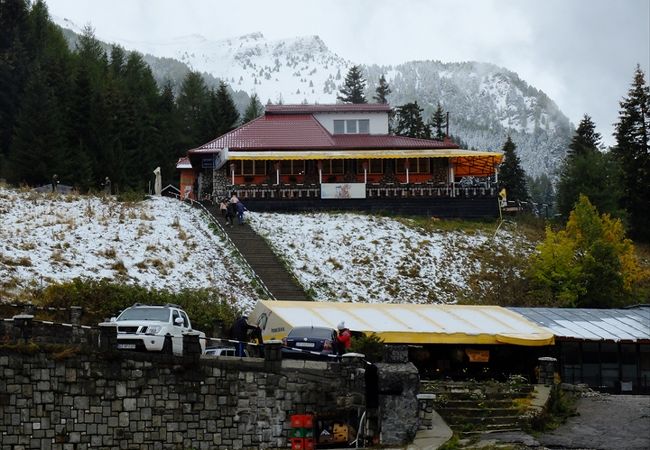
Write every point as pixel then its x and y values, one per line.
pixel 191 346
pixel 218 328
pixel 398 386
pixel 75 315
pixel 24 322
pixel 547 368
pixel 396 354
pixel 107 336
pixel 273 355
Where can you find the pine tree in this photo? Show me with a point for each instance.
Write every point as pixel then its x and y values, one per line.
pixel 227 116
pixel 632 150
pixel 588 171
pixel 38 138
pixel 586 139
pixel 193 106
pixel 13 70
pixel 382 91
pixel 353 90
pixel 253 110
pixel 408 121
pixel 511 175
pixel 438 122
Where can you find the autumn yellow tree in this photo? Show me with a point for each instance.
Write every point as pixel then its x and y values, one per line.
pixel 589 264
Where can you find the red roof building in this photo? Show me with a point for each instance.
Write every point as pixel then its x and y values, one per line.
pixel 327 152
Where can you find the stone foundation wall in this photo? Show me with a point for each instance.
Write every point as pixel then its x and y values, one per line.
pixel 77 400
pixel 65 387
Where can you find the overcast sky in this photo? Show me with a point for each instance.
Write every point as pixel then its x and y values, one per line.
pixel 582 53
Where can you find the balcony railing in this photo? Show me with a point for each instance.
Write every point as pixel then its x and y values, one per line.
pixel 387 190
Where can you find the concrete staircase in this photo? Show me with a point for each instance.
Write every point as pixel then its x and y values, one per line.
pixel 472 407
pixel 281 284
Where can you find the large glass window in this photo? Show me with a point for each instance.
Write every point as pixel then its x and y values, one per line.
pixel 352 126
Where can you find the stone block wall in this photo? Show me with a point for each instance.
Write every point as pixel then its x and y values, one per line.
pixel 65 387
pixel 83 401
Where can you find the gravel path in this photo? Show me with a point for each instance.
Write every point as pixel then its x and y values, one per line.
pixel 604 422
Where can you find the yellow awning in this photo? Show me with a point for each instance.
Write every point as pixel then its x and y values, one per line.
pixel 359 154
pixel 405 323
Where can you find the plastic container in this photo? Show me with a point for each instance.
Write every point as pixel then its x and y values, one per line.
pixel 302 421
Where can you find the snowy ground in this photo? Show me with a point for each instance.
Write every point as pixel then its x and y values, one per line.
pixel 159 243
pixel 362 258
pixel 162 243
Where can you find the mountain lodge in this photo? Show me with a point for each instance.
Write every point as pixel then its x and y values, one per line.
pixel 306 157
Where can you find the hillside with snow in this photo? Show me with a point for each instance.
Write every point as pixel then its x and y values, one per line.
pixel 161 243
pixel 486 102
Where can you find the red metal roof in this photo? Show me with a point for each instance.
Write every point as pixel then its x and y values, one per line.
pixel 347 141
pixel 340 107
pixel 304 132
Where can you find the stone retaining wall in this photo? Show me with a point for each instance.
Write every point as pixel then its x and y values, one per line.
pixel 84 394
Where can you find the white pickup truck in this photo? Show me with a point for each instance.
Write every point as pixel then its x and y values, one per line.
pixel 144 328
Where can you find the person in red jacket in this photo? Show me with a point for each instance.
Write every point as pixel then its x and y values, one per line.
pixel 344 338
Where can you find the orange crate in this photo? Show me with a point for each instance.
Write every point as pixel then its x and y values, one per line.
pixel 302 421
pixel 297 444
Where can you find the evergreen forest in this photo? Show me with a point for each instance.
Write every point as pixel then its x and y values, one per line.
pixel 87 114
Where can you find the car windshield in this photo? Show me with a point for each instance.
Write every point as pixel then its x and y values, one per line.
pixel 311 332
pixel 157 314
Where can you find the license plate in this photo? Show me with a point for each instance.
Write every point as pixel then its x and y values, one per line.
pixel 305 344
pixel 126 346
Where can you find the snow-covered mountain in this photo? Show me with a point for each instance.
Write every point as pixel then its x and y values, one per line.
pixel 486 102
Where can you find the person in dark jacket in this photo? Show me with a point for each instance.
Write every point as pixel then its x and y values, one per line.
pixel 240 332
pixel 240 212
pixel 230 213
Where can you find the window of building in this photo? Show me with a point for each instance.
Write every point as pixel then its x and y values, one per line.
pixel 416 165
pixel 333 167
pixel 250 167
pixel 292 167
pixel 364 126
pixel 352 126
pixel 374 166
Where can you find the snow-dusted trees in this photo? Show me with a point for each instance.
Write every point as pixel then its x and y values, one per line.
pixel 354 87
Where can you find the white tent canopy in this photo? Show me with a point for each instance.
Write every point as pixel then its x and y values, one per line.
pixel 404 323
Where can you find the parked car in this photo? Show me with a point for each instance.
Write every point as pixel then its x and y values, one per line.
pixel 222 351
pixel 310 343
pixel 144 328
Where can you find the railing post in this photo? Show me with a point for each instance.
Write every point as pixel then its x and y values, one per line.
pixel 107 336
pixel 24 323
